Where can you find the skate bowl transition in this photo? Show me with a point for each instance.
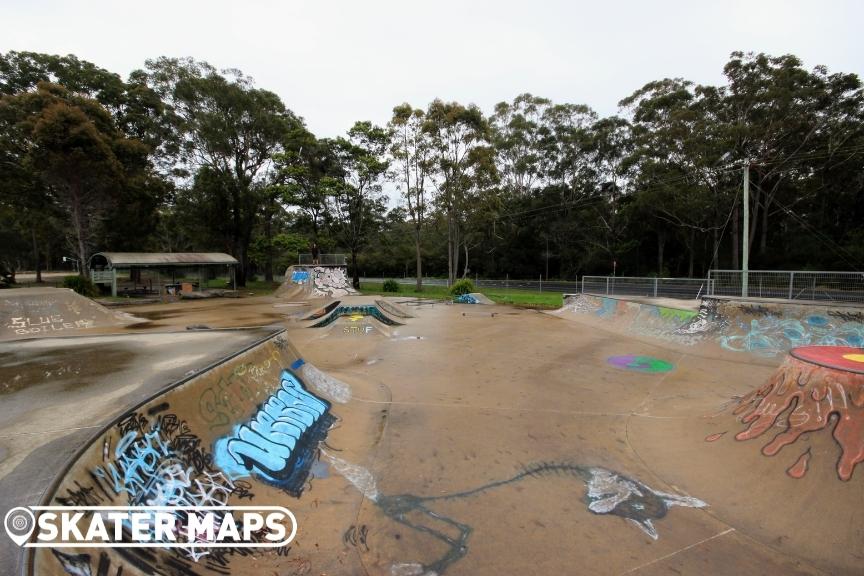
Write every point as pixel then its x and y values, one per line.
pixel 607 437
pixel 39 312
pixel 247 431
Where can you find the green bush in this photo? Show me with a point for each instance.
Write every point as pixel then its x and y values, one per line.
pixel 460 287
pixel 81 285
pixel 390 285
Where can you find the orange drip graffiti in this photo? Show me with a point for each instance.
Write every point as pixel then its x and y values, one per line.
pixel 799 468
pixel 812 397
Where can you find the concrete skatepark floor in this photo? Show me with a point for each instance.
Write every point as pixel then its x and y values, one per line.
pixel 474 440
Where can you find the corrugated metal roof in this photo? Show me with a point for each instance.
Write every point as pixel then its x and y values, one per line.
pixel 123 259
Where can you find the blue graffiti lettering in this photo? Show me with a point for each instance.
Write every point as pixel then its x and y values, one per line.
pixel 300 276
pixel 278 444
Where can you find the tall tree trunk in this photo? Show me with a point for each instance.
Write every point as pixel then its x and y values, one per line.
pixel 449 248
pixel 36 258
pixel 692 249
pixel 268 234
pixel 465 270
pixel 355 273
pixel 419 286
pixel 240 270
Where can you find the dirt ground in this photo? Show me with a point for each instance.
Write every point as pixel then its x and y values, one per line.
pixel 494 440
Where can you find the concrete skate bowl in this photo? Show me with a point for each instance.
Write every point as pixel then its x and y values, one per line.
pixel 315 282
pixel 766 329
pixel 40 312
pixel 251 430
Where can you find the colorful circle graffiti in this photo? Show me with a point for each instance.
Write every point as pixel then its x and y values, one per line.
pixel 638 363
pixel 846 358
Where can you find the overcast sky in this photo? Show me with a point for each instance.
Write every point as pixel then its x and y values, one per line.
pixel 340 61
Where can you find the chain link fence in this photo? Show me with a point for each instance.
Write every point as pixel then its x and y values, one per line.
pixel 788 285
pixel 323 260
pixel 685 288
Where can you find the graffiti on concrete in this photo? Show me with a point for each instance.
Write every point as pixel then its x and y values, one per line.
pixel 755 310
pixel 225 400
pixel 802 397
pixel 331 282
pixel 465 299
pixel 156 461
pixel 43 325
pixel 772 335
pixel 638 363
pixel 707 321
pixel 607 493
pixel 356 313
pixel 847 316
pixel 300 276
pixel 279 443
pixel 356 536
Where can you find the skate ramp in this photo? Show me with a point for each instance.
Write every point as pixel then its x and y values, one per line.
pixel 353 321
pixel 770 329
pixel 354 313
pixel 767 329
pixel 314 282
pixel 393 309
pixel 218 438
pixel 40 312
pixel 506 444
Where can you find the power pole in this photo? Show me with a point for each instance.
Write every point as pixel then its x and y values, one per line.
pixel 746 240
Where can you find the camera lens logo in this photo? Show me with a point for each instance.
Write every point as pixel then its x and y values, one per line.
pixel 19 523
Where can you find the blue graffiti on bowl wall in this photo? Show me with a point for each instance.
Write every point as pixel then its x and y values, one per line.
pixel 769 336
pixel 607 307
pixel 300 276
pixel 279 443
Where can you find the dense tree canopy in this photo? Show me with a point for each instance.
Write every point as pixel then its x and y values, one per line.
pixel 183 156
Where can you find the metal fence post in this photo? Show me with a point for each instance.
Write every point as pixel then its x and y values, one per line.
pixel 607 285
pixel 541 283
pixel 655 287
pixel 791 283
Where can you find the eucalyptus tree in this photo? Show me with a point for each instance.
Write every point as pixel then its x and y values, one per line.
pixel 461 152
pixel 413 164
pixel 119 110
pixel 224 125
pixel 518 130
pixel 356 196
pixel 66 149
pixel 780 118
